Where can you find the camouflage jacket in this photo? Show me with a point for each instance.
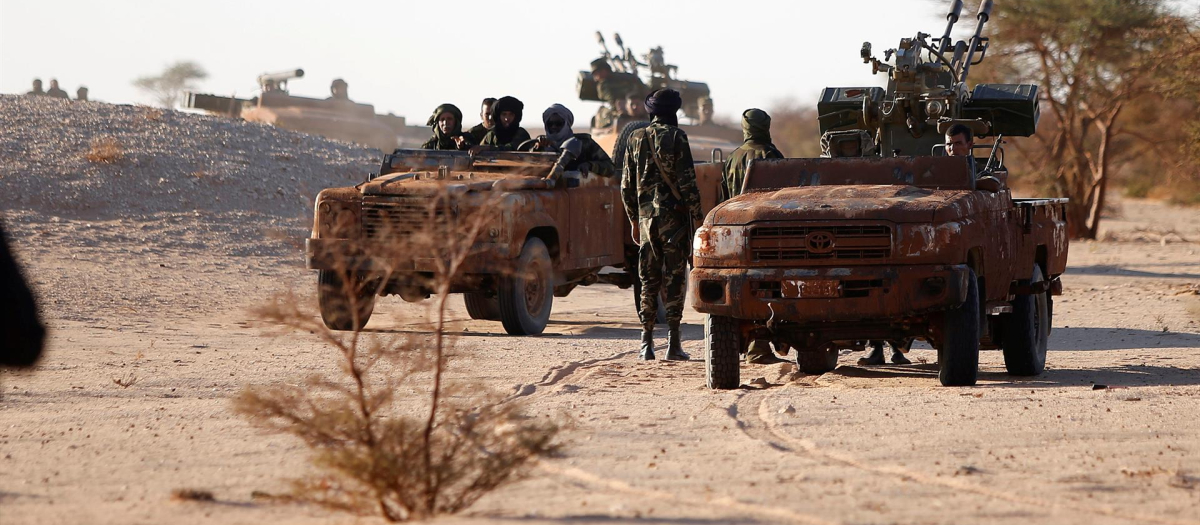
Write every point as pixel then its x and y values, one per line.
pixel 643 189
pixel 493 140
pixel 735 165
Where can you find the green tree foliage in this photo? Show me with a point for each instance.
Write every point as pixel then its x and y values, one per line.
pixel 167 87
pixel 1103 66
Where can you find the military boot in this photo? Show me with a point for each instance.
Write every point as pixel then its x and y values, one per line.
pixel 675 344
pixel 898 357
pixel 760 353
pixel 875 356
pixel 647 343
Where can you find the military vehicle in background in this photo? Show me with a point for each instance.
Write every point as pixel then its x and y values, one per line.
pixel 610 127
pixel 886 238
pixel 336 117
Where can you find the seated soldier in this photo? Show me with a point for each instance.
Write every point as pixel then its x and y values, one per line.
pixel 486 123
pixel 507 133
pixel 446 122
pixel 960 142
pixel 850 143
pixel 578 151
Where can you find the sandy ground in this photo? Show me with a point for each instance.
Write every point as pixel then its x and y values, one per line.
pixel 162 298
pixel 650 443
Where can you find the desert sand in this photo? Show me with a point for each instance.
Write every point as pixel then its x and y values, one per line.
pixel 144 276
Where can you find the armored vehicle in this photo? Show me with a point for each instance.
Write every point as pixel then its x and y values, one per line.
pixel 886 238
pixel 337 117
pixel 544 237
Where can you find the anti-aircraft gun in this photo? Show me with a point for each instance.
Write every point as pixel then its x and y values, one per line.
pixel 696 96
pixel 891 243
pixel 927 93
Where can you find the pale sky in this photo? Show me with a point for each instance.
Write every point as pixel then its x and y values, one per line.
pixel 408 57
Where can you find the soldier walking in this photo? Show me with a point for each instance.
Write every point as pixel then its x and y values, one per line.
pixel 756 130
pixel 662 202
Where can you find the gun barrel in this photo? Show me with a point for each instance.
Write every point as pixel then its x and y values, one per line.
pixel 985 12
pixel 956 8
pixel 280 76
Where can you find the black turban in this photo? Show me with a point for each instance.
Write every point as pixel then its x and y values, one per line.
pixel 663 104
pixel 506 134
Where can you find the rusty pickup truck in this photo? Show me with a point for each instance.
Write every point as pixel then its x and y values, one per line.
pixel 825 253
pixel 544 239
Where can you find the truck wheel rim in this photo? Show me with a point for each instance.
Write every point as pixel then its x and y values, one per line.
pixel 535 294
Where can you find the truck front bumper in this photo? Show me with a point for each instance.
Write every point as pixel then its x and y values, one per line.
pixel 365 256
pixel 865 293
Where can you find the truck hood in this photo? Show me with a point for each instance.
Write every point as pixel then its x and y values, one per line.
pixel 894 203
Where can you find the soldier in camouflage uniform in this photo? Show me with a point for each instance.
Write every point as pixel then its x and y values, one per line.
pixel 756 129
pixel 658 187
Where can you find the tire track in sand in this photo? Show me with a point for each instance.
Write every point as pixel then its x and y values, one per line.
pixel 557 374
pixel 904 474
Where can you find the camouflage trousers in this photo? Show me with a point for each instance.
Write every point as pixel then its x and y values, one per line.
pixel 662 262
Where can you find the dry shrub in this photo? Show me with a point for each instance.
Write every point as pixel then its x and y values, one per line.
pixel 377 449
pixel 106 150
pixel 192 495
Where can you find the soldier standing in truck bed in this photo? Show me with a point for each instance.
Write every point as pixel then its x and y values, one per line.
pixel 507 133
pixel 756 130
pixel 658 187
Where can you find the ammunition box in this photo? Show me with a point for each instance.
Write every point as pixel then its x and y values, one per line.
pixel 1012 109
pixel 587 87
pixel 841 108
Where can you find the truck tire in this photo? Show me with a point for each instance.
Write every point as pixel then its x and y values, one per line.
pixel 334 300
pixel 818 361
pixel 1026 331
pixel 722 352
pixel 525 298
pixel 483 307
pixel 958 353
pixel 618 156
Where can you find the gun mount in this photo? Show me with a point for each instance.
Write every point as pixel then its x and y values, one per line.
pixel 927 93
pixel 278 81
pixel 697 102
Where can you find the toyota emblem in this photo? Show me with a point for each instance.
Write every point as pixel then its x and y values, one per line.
pixel 820 242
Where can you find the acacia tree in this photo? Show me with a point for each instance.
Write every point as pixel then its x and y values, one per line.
pixel 167 87
pixel 1095 60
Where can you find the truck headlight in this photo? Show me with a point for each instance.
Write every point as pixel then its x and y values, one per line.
pixel 719 241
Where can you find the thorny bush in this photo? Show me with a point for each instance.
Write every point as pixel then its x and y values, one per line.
pixel 377 448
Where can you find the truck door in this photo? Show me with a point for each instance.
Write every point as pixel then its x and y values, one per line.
pixel 597 230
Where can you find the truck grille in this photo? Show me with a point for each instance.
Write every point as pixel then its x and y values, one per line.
pixel 779 243
pixel 396 218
